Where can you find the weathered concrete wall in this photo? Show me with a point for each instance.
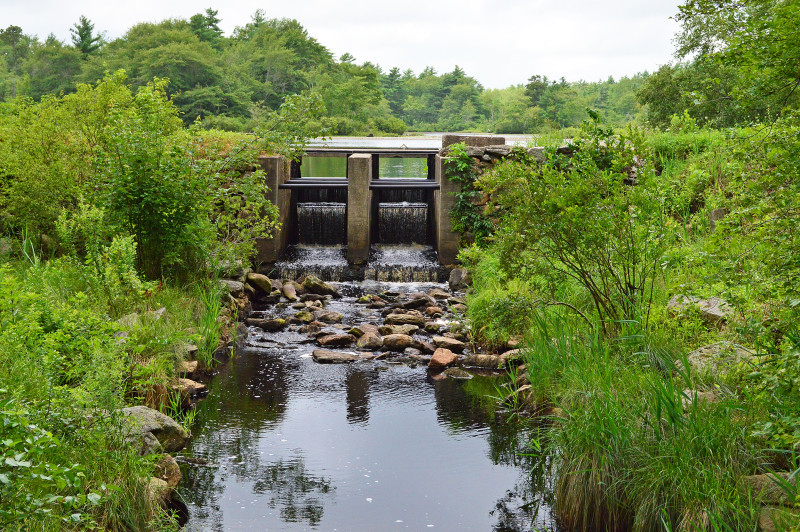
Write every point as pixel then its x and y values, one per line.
pixel 445 200
pixel 472 140
pixel 359 207
pixel 277 169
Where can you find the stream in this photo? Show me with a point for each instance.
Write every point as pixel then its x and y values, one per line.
pixel 377 444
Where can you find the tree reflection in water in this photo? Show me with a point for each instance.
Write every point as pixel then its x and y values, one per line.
pixel 292 489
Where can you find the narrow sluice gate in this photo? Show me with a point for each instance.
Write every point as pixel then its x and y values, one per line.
pixel 402 223
pixel 322 223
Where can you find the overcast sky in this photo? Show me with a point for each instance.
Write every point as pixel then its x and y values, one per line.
pixel 499 42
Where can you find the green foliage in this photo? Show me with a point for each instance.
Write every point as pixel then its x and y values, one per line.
pixel 84 38
pixel 465 215
pixel 594 217
pixel 742 67
pixel 228 82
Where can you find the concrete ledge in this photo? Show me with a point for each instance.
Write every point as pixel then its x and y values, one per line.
pixel 472 140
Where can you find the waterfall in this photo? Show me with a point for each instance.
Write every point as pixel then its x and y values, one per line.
pixel 322 223
pixel 329 263
pixel 403 263
pixel 402 223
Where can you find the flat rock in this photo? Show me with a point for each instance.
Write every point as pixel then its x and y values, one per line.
pixel 324 356
pixel 304 316
pixel 408 329
pixel 436 293
pixel 409 318
pixel 188 386
pixel 452 344
pixel 442 358
pixel 360 330
pixel 336 340
pixel 269 325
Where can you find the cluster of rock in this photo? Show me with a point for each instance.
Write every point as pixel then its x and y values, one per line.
pixel 413 328
pixel 152 432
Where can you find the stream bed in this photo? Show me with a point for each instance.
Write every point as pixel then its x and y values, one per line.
pixel 373 445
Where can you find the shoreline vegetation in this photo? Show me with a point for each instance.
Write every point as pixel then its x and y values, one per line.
pixel 648 271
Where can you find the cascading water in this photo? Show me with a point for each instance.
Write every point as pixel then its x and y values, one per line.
pixel 403 263
pixel 402 223
pixel 326 262
pixel 322 223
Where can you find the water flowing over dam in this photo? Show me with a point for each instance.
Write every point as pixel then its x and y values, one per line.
pixel 362 435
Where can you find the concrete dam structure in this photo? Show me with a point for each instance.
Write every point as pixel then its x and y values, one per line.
pixel 363 218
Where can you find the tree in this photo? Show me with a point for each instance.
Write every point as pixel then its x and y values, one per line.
pixel 83 37
pixel 206 27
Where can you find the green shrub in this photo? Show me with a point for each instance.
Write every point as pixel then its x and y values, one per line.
pixel 595 218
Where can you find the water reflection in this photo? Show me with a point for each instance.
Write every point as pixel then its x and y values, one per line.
pixel 358 383
pixel 294 445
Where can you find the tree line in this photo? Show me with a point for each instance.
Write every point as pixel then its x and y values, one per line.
pixel 230 82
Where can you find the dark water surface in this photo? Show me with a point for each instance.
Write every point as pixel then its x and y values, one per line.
pixel 370 446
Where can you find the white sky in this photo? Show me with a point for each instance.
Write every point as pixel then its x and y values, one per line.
pixel 499 42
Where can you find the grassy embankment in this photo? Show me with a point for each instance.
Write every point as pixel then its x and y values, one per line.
pixel 632 445
pixel 110 211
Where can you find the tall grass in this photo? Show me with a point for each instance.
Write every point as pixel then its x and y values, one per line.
pixel 627 454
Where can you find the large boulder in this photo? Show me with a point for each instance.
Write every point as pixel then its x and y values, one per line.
pixel 442 358
pixel 234 288
pixel 719 358
pixel 260 282
pixel 460 279
pixel 714 310
pixel 144 424
pixel 314 285
pixel 324 356
pixel 769 489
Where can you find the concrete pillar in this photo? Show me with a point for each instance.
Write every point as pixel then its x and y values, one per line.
pixel 445 200
pixel 276 168
pixel 359 207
